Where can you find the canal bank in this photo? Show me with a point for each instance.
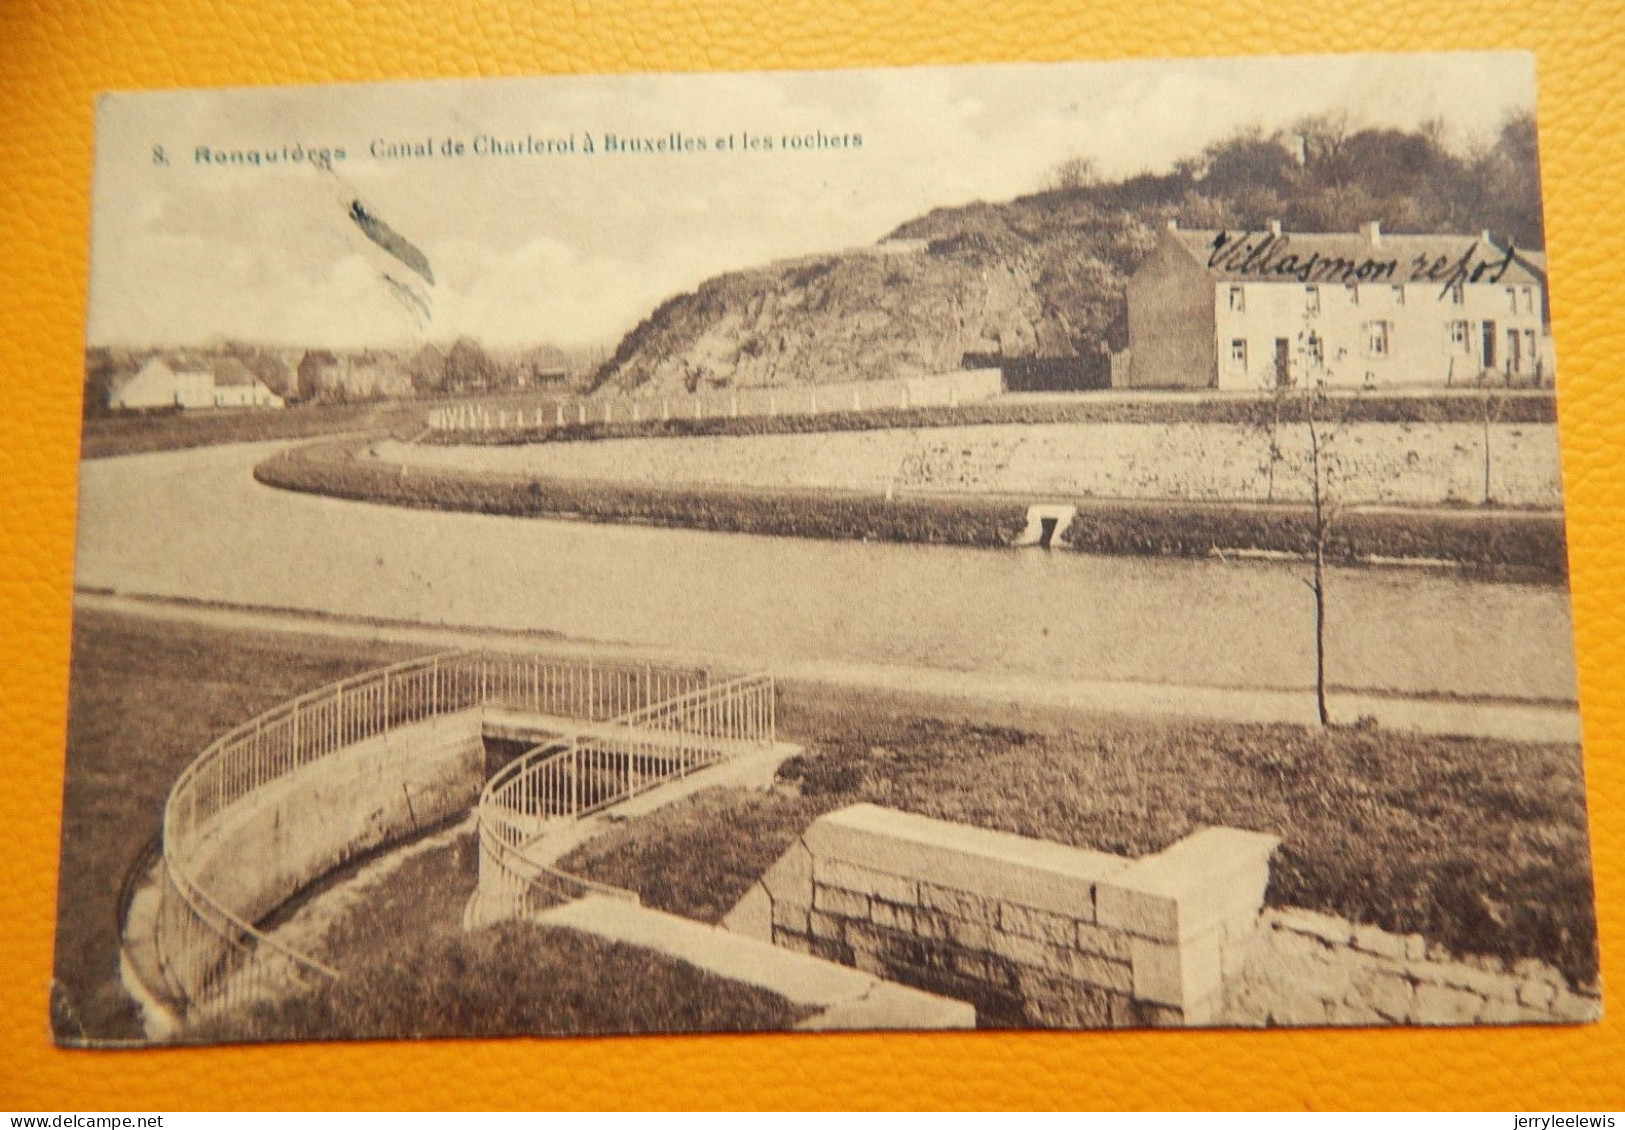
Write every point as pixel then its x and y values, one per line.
pixel 1015 696
pixel 1516 542
pixel 196 526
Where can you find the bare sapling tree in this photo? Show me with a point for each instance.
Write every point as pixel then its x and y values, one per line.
pixel 1493 407
pixel 1325 507
pixel 1302 397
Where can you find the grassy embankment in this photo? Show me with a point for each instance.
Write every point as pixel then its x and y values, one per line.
pixel 133 433
pixel 1479 845
pixel 145 699
pixel 1526 544
pixel 1516 407
pixel 410 971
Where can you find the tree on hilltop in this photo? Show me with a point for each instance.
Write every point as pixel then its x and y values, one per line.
pixel 469 366
pixel 1074 172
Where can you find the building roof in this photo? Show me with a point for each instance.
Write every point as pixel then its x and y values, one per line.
pixel 154 371
pixel 1535 260
pixel 1273 255
pixel 229 372
pixel 154 368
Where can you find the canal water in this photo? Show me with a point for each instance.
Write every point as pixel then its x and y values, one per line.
pixel 195 524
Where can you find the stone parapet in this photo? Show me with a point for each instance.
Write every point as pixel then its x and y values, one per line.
pixel 1033 932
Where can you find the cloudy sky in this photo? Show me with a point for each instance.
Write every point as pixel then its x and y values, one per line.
pixel 574 248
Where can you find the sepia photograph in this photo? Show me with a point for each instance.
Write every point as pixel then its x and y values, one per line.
pixel 1040 546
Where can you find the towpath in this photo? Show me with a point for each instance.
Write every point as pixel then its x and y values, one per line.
pixel 1513 720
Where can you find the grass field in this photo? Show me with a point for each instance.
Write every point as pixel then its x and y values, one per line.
pixel 333 468
pixel 408 970
pixel 1480 845
pixel 169 431
pixel 127 434
pixel 144 701
pixel 1528 544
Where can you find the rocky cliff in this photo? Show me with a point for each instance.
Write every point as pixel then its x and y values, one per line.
pixel 971 281
pixel 1044 275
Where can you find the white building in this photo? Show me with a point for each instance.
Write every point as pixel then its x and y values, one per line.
pixel 228 384
pixel 1250 310
pixel 157 385
pixel 235 386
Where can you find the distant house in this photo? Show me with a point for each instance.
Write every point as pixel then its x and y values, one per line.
pixel 158 385
pixel 1535 262
pixel 323 374
pixel 545 376
pixel 1250 310
pixel 236 386
pixel 369 376
pixel 228 383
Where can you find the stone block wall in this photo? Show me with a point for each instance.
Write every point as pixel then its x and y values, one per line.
pixel 1031 932
pixel 1390 464
pixel 1308 968
pixel 264 849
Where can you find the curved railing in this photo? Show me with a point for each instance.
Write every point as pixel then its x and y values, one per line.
pixel 204 945
pixel 209 949
pixel 513 884
pixel 573 777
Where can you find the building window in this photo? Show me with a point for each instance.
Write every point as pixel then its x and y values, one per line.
pixel 1238 298
pixel 1512 298
pixel 1456 296
pixel 1311 299
pixel 1354 293
pixel 1238 354
pixel 1399 296
pixel 1528 300
pixel 1461 340
pixel 1314 351
pixel 1376 339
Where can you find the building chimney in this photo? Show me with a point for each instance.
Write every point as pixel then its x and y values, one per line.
pixel 1275 227
pixel 1372 233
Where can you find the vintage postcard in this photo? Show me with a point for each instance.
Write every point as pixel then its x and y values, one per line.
pixel 1064 546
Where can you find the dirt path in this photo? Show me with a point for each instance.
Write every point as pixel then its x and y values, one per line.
pixel 306 929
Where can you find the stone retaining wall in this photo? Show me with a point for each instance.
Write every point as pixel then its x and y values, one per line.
pixel 1412 464
pixel 268 846
pixel 1031 932
pixel 1307 968
pixel 1036 933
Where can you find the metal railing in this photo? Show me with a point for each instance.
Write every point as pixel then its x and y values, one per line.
pixel 740 710
pixel 208 947
pixel 516 886
pixel 576 776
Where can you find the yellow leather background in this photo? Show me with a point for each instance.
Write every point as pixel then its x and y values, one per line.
pixel 56 54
